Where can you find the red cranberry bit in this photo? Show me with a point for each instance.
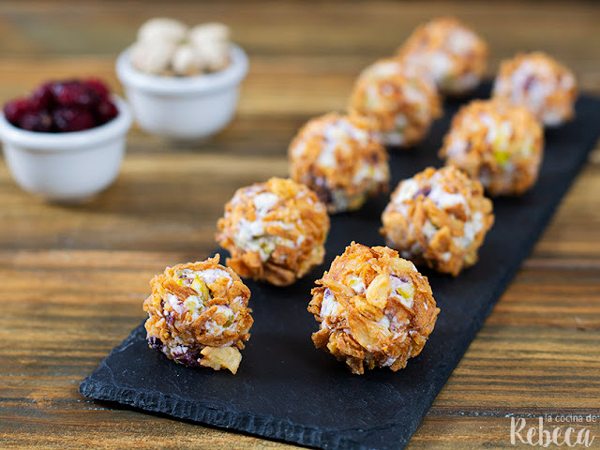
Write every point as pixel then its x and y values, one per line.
pixel 424 191
pixel 169 319
pixel 74 93
pixel 73 119
pixel 40 121
pixel 106 111
pixel 98 86
pixel 63 106
pixel 155 342
pixel 15 110
pixel 189 358
pixel 42 97
pixel 529 81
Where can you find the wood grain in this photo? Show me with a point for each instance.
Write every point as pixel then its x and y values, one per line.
pixel 74 278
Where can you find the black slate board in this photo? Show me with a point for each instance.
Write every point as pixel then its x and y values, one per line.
pixel 286 389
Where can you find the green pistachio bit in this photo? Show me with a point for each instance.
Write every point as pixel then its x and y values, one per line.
pixel 447 80
pixel 501 158
pixel 407 291
pixel 180 280
pixel 498 142
pixel 229 322
pixel 267 247
pixel 201 288
pixel 190 304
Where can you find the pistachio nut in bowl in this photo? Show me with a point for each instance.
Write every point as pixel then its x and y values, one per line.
pixel 65 152
pixel 182 83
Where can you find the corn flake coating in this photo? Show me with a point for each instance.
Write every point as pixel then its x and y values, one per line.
pixel 401 102
pixel 453 55
pixel 438 218
pixel 274 231
pixel 374 309
pixel 198 315
pixel 341 159
pixel 496 143
pixel 538 82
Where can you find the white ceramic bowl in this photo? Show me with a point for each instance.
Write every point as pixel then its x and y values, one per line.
pixel 67 167
pixel 184 107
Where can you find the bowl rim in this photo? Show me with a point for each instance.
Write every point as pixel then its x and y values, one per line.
pixel 71 141
pixel 232 75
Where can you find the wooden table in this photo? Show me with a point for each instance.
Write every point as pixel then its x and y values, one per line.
pixel 74 278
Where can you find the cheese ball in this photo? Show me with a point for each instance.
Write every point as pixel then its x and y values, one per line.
pixel 341 159
pixel 496 143
pixel 198 315
pixel 401 102
pixel 274 231
pixel 374 309
pixel 538 82
pixel 451 53
pixel 438 218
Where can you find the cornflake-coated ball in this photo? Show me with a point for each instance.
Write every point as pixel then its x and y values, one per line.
pixel 451 53
pixel 274 231
pixel 538 82
pixel 375 309
pixel 399 101
pixel 438 218
pixel 198 315
pixel 496 143
pixel 341 159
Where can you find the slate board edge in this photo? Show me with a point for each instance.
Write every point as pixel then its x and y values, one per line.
pixel 271 428
pixel 255 425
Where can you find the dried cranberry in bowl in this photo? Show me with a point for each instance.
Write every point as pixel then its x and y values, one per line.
pixel 63 106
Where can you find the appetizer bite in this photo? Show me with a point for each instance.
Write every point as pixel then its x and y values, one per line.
pixel 541 84
pixel 168 47
pixel 63 106
pixel 341 159
pixel 198 315
pixel 438 218
pixel 496 143
pixel 274 231
pixel 401 102
pixel 374 308
pixel 451 53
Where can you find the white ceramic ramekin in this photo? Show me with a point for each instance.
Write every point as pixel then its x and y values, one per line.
pixel 187 107
pixel 67 167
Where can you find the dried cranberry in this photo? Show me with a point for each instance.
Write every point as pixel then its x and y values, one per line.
pixel 98 86
pixel 74 93
pixel 15 110
pixel 106 111
pixel 403 279
pixel 72 119
pixel 155 342
pixel 529 81
pixel 64 106
pixel 189 359
pixel 425 191
pixel 40 121
pixel 42 97
pixel 169 318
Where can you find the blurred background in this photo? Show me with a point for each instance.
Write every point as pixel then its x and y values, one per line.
pixel 304 59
